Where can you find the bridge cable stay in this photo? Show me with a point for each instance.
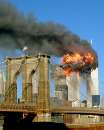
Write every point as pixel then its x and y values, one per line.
pixel 34 69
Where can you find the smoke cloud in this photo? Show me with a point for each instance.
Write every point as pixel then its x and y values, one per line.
pixel 18 30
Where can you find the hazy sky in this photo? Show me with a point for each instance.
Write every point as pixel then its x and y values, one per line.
pixel 83 17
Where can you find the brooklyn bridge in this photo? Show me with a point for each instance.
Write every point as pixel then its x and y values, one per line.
pixel 40 105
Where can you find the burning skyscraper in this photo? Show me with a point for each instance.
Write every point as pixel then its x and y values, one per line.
pixel 81 63
pixel 61 89
pixel 93 97
pixel 73 83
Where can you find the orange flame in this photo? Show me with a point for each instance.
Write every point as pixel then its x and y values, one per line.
pixel 67 71
pixel 77 60
pixel 71 58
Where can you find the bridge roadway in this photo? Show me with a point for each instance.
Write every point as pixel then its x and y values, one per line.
pixel 23 108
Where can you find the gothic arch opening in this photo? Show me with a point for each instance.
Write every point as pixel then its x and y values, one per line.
pixel 19 82
pixel 35 81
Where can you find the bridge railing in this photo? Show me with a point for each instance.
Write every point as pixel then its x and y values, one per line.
pixel 77 118
pixel 18 107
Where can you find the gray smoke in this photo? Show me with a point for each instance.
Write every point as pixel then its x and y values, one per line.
pixel 17 31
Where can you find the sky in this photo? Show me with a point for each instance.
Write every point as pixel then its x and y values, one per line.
pixel 83 17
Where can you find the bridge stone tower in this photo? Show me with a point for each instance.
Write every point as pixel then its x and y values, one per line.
pixel 27 67
pixel 43 90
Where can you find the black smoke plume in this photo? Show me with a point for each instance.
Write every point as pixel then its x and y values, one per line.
pixel 18 30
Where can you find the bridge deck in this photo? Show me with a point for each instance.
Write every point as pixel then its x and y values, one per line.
pixel 64 110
